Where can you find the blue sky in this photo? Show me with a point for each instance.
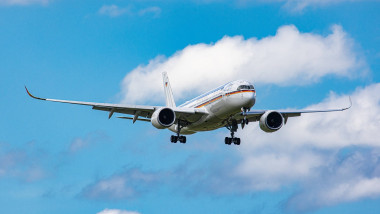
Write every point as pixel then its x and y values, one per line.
pixel 57 158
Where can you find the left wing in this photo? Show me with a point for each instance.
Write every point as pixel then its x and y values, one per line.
pixel 255 115
pixel 135 110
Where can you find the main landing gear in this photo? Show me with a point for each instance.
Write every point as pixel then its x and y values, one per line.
pixel 178 137
pixel 233 126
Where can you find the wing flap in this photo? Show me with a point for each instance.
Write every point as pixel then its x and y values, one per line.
pixel 132 110
pixel 131 118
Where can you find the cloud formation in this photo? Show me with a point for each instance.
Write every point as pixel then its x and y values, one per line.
pixel 23 2
pixel 126 185
pixel 288 58
pixel 80 143
pixel 22 164
pixel 343 178
pixel 112 10
pixel 116 11
pixel 295 6
pixel 115 211
pixel 300 5
pixel 156 11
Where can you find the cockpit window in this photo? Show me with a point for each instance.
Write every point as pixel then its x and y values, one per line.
pixel 245 87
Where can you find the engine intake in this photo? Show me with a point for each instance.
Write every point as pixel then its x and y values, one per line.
pixel 163 118
pixel 271 121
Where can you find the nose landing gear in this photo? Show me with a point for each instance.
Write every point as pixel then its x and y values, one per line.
pixel 244 121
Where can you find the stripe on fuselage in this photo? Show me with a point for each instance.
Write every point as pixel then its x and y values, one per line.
pixel 220 96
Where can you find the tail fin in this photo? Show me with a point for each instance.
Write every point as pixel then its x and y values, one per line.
pixel 168 91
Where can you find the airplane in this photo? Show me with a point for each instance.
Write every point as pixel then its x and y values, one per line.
pixel 226 106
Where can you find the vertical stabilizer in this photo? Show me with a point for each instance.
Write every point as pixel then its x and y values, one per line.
pixel 168 91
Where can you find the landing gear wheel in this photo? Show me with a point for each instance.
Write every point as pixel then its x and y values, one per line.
pixel 173 139
pixel 182 139
pixel 227 141
pixel 236 141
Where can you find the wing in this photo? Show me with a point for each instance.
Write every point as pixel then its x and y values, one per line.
pixel 136 110
pixel 255 115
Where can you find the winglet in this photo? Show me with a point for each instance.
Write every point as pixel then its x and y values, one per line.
pixel 349 97
pixel 38 98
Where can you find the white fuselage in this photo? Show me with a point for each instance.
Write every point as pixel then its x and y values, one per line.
pixel 220 104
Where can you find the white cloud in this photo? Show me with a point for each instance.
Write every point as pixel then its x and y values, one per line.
pixel 300 5
pixel 23 2
pixel 113 10
pixel 294 6
pixel 128 184
pixel 113 188
pixel 22 164
pixel 114 211
pixel 273 170
pixel 155 11
pixel 349 191
pixel 344 178
pixel 80 143
pixel 291 5
pixel 288 58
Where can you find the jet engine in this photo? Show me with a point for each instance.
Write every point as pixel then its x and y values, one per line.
pixel 163 118
pixel 271 121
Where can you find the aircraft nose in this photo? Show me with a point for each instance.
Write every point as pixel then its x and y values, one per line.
pixel 253 98
pixel 250 99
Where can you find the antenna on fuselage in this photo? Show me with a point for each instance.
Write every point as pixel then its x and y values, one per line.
pixel 168 90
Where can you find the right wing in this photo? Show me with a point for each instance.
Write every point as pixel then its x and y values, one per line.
pixel 135 110
pixel 255 115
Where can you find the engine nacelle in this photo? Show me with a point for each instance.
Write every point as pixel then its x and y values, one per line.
pixel 163 118
pixel 271 121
